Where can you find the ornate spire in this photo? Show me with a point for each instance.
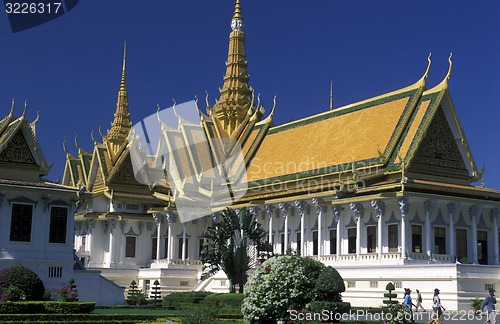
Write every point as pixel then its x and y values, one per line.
pixel 121 124
pixel 235 96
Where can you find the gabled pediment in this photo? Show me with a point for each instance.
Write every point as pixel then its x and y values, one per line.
pixel 435 144
pixel 18 146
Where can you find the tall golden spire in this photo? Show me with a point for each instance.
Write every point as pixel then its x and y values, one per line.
pixel 121 124
pixel 235 96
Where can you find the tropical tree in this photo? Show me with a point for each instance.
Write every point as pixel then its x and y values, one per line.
pixel 235 243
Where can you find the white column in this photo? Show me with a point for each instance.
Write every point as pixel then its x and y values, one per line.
pixel 184 242
pixel 429 206
pixel 269 211
pixel 403 207
pixel 301 206
pixel 495 215
pixel 452 208
pixel 473 210
pixel 284 209
pixel 123 224
pixel 319 213
pixel 337 213
pixel 357 210
pixel 379 207
pixel 158 218
pixel 111 224
pixel 170 219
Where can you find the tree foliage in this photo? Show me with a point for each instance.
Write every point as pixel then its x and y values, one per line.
pixel 234 244
pixel 21 283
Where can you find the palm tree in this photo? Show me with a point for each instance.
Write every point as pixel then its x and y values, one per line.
pixel 234 244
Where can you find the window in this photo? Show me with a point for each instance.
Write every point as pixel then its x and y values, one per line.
pixel 351 240
pixel 333 241
pixel 373 284
pixel 132 206
pixel 351 284
pixel 147 286
pixel 371 239
pixel 179 251
pixel 130 247
pixel 299 243
pixel 55 272
pixel 58 224
pixel 315 242
pixel 461 235
pixel 489 286
pixel 398 284
pixel 184 283
pixel 440 240
pixel 482 247
pixel 20 226
pixel 416 238
pixel 154 248
pixel 393 238
pixel 223 283
pixel 84 242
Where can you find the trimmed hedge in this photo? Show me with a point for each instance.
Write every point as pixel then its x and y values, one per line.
pixel 75 318
pixel 232 300
pixel 183 300
pixel 46 307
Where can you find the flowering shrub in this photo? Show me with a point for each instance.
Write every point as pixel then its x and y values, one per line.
pixel 67 293
pixel 12 293
pixel 280 284
pixel 20 283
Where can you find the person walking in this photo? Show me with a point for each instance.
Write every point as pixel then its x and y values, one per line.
pixel 437 308
pixel 419 302
pixel 489 302
pixel 407 302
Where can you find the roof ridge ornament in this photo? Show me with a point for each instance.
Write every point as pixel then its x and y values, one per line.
pixel 426 74
pixel 12 107
pixel 25 108
pixel 448 75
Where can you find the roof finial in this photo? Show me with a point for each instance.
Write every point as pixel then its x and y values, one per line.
pixel 25 107
pixel 237 21
pixel 65 148
pixel 76 141
pixel 448 75
pixel 92 137
pixel 331 95
pixel 12 108
pixel 123 84
pixel 426 74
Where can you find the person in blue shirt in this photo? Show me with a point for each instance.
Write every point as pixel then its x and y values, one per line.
pixel 489 302
pixel 407 302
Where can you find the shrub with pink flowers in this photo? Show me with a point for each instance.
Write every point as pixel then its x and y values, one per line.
pixel 67 293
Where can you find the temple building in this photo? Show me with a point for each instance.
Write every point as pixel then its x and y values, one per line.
pixel 36 216
pixel 381 189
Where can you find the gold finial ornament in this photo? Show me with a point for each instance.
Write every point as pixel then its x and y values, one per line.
pixel 123 84
pixel 121 125
pixel 237 21
pixel 236 95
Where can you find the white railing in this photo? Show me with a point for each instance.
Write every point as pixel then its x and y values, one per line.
pixel 176 263
pixel 366 258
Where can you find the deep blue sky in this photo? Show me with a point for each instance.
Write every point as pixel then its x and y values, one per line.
pixel 69 69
